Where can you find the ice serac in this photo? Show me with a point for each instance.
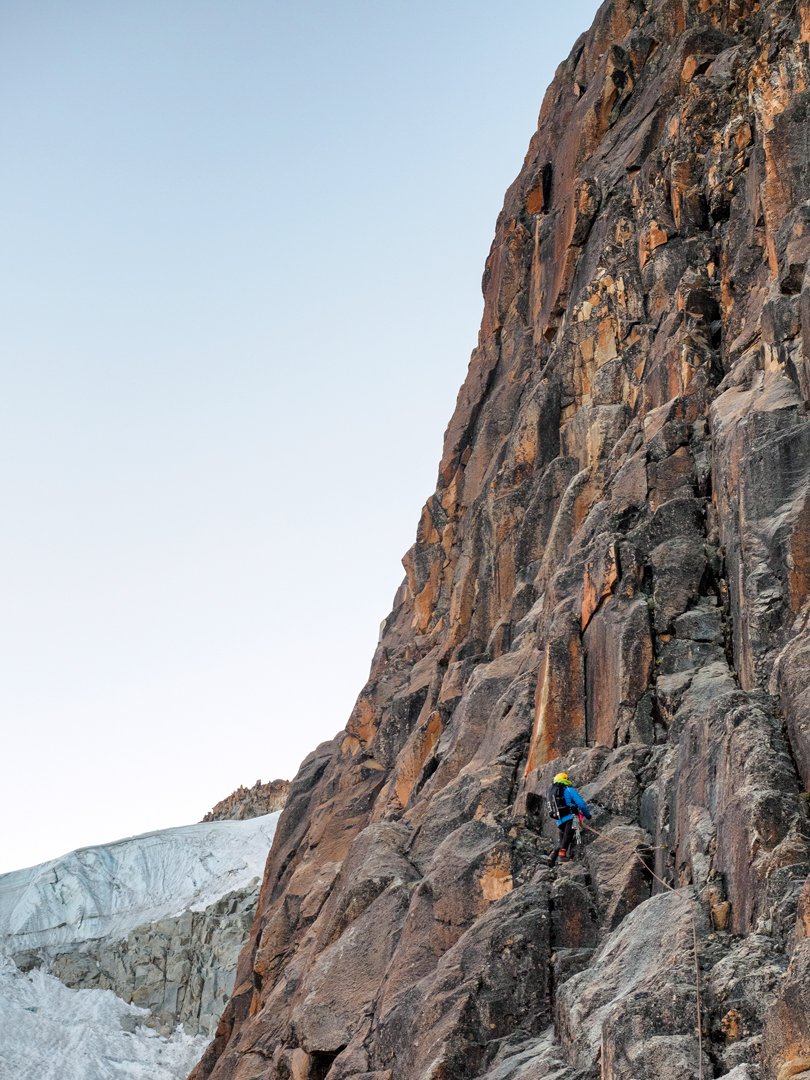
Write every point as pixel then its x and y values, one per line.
pixel 158 918
pixel 49 1030
pixel 612 577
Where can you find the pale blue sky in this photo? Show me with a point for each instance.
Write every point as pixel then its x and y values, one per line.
pixel 242 243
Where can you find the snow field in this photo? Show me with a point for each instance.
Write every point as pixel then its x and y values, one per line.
pixel 52 1033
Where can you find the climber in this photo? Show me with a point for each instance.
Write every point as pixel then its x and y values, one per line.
pixel 563 802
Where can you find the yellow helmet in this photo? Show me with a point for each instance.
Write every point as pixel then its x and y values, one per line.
pixel 561 777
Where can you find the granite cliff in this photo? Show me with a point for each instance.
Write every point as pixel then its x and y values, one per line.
pixel 612 576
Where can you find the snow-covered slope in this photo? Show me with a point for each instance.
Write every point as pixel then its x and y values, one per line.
pixel 52 1033
pixel 73 914
pixel 109 890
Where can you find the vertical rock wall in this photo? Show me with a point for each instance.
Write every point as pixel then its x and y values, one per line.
pixel 612 576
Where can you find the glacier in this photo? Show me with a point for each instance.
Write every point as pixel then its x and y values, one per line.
pixel 83 912
pixel 108 890
pixel 52 1033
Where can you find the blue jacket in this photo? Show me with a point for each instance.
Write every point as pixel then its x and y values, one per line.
pixel 575 801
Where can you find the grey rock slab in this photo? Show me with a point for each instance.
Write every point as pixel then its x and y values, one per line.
pixel 639 987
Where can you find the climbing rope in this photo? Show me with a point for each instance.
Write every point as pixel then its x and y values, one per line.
pixel 680 895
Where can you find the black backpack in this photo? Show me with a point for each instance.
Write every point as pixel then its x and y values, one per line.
pixel 555 801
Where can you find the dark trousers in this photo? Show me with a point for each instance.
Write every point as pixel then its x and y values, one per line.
pixel 566 831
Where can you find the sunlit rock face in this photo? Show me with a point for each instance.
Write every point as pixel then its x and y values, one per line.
pixel 252 802
pixel 612 577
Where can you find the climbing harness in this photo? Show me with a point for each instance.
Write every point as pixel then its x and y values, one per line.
pixel 691 902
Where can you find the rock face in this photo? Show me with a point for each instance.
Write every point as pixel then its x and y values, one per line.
pixel 252 802
pixel 612 577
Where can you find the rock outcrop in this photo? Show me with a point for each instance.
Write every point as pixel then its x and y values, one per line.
pixel 252 802
pixel 612 576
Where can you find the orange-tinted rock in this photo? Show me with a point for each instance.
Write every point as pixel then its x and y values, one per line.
pixel 559 704
pixel 601 574
pixel 786 1049
pixel 620 658
pixel 251 802
pixel 612 578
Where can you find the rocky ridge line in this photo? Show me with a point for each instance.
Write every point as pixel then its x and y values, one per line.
pixel 612 577
pixel 252 802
